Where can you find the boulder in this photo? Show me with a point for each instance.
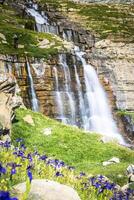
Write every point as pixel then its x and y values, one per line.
pixel 46 190
pixel 28 119
pixel 111 161
pixel 130 169
pixel 2 36
pixel 47 131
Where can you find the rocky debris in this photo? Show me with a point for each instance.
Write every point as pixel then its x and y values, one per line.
pixel 28 119
pixel 44 44
pixel 47 131
pixel 130 174
pixel 47 190
pixel 20 46
pixel 130 169
pixel 113 160
pixel 2 36
pixel 9 100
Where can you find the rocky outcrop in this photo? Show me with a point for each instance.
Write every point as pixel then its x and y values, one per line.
pixel 9 100
pixel 47 190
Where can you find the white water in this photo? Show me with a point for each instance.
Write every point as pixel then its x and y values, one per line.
pixel 99 115
pixel 82 109
pixel 70 95
pixel 94 110
pixel 34 100
pixel 38 18
pixel 59 101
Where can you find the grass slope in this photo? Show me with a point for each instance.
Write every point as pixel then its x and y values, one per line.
pixel 106 20
pixel 12 23
pixel 72 145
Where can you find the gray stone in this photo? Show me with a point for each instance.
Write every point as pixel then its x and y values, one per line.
pixel 28 119
pixel 47 131
pixel 130 169
pixel 47 190
pixel 113 160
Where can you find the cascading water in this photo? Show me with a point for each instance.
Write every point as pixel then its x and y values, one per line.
pixel 99 115
pixel 82 109
pixel 34 100
pixel 94 111
pixel 70 95
pixel 59 98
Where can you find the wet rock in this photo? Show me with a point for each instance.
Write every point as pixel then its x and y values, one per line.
pixel 47 190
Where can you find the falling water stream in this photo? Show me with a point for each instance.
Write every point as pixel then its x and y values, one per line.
pixel 94 110
pixel 59 101
pixel 34 100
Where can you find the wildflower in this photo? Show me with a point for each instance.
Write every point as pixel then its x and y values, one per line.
pixel 7 144
pixel 4 195
pixel 2 169
pixel 29 157
pixel 13 171
pixel 44 157
pixel 29 173
pixel 82 174
pixel 19 140
pixel 59 174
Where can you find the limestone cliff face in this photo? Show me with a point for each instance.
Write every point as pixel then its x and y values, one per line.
pixel 9 100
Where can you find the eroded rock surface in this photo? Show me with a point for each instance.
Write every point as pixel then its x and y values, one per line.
pixel 47 190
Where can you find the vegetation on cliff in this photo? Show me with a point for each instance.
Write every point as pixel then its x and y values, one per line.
pixel 12 23
pixel 115 21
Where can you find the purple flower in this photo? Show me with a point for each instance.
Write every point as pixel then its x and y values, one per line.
pixel 2 169
pixel 7 144
pixel 59 174
pixel 44 157
pixel 29 157
pixel 29 173
pixel 4 195
pixel 13 171
pixel 82 174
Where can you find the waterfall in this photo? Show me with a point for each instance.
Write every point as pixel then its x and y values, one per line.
pixel 70 95
pixel 98 112
pixel 82 109
pixel 94 111
pixel 34 100
pixel 59 101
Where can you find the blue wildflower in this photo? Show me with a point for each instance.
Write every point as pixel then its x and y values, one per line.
pixel 13 171
pixel 4 195
pixel 59 174
pixel 2 169
pixel 29 173
pixel 44 157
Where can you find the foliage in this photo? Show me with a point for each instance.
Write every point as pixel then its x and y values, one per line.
pixel 18 164
pixel 81 149
pixel 106 20
pixel 126 113
pixel 11 23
